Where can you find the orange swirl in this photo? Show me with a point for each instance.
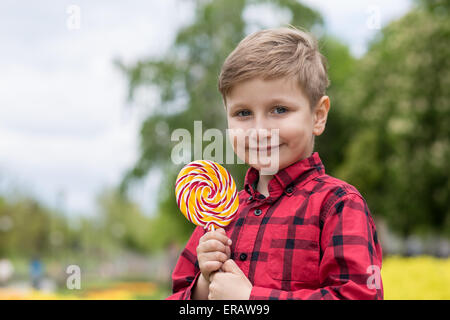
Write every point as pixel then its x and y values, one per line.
pixel 206 194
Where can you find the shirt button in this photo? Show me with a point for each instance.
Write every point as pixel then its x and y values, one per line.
pixel 258 212
pixel 289 189
pixel 243 256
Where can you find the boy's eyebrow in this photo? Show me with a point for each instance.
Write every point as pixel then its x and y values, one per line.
pixel 237 105
pixel 270 102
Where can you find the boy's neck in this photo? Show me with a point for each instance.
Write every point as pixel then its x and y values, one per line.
pixel 263 184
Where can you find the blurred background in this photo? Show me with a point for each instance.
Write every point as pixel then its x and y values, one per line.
pixel 90 92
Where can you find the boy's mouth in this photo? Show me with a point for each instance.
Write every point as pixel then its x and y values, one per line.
pixel 268 148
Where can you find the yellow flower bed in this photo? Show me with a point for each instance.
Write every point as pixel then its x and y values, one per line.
pixel 404 278
pixel 416 278
pixel 122 291
pixel 118 291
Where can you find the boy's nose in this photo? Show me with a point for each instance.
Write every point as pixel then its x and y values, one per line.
pixel 260 136
pixel 259 133
pixel 261 126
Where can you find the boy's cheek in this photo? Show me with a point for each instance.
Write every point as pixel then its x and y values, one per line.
pixel 239 143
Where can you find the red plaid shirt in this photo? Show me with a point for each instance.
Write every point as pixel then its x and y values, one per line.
pixel 313 237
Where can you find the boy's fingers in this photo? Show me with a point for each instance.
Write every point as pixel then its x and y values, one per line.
pixel 211 245
pixel 211 266
pixel 228 251
pixel 212 274
pixel 231 266
pixel 215 256
pixel 217 235
pixel 221 230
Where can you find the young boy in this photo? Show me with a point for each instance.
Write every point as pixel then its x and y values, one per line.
pixel 299 233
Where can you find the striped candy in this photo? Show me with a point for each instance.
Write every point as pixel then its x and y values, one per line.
pixel 206 194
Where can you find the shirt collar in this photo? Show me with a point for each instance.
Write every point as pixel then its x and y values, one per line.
pixel 286 179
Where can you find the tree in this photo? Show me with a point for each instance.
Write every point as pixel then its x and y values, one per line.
pixel 27 228
pixel 122 224
pixel 399 155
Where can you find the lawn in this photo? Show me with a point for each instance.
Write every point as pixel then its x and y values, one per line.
pixel 416 278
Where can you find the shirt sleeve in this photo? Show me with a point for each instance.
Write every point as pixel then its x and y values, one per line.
pixel 350 265
pixel 187 271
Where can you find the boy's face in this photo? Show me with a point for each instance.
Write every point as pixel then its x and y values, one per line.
pixel 258 106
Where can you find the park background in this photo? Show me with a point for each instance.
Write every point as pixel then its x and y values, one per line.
pixel 91 92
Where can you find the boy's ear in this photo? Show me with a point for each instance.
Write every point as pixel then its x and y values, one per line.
pixel 320 115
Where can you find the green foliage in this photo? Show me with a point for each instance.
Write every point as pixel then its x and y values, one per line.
pixel 341 66
pixel 28 228
pixel 122 223
pixel 399 154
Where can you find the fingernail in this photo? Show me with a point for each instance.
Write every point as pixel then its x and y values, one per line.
pixel 229 242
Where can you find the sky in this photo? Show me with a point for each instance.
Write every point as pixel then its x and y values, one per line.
pixel 66 129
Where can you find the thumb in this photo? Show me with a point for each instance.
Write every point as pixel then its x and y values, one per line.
pixel 220 230
pixel 231 266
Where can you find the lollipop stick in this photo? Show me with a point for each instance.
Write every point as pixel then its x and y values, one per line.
pixel 211 228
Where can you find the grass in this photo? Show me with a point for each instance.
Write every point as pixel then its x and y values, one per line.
pixel 404 278
pixel 416 278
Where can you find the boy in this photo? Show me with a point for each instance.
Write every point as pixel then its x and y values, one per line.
pixel 299 233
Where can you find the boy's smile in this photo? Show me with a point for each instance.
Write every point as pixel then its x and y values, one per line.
pixel 258 106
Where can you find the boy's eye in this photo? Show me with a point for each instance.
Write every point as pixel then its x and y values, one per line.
pixel 243 113
pixel 277 110
pixel 280 109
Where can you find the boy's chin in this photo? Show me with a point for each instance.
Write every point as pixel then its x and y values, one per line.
pixel 266 168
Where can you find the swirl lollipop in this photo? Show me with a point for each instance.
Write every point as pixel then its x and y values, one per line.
pixel 206 194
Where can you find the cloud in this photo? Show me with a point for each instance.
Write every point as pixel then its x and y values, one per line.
pixel 350 19
pixel 64 123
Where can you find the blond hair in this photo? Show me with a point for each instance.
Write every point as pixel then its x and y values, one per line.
pixel 276 53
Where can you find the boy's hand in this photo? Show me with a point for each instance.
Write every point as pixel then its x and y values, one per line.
pixel 232 284
pixel 212 251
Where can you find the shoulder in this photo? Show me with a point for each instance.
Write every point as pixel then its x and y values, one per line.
pixel 336 192
pixel 336 186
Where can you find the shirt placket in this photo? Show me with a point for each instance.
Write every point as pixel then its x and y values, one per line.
pixel 244 253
